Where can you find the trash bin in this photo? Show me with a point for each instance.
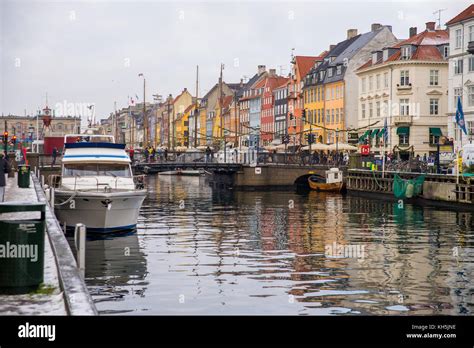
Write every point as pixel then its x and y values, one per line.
pixel 21 247
pixel 23 176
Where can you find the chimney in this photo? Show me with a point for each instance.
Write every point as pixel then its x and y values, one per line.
pixel 241 82
pixel 430 26
pixel 351 33
pixel 261 69
pixel 413 31
pixel 272 72
pixel 375 26
pixel 331 47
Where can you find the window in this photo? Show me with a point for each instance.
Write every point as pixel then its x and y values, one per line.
pixel 446 51
pixel 377 107
pixel 404 78
pixel 458 38
pixel 385 108
pixel 371 83
pixel 363 110
pixel 471 33
pixel 434 107
pixel 328 117
pixel 403 139
pixel 385 80
pixel 406 52
pixel 470 95
pixel 377 81
pixel 339 70
pixel 434 139
pixel 458 65
pixel 457 94
pixel 330 72
pixel 332 115
pixel 471 64
pixel 434 77
pixel 337 115
pixel 115 170
pixel 371 110
pixel 404 107
pixel 364 89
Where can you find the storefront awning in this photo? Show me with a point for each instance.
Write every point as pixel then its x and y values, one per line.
pixel 436 132
pixel 382 132
pixel 374 133
pixel 403 130
pixel 367 133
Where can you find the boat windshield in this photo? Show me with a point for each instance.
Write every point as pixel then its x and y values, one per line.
pixel 93 169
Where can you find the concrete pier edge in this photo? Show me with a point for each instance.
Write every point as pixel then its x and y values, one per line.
pixel 77 298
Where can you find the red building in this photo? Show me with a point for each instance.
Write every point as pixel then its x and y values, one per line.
pixel 267 121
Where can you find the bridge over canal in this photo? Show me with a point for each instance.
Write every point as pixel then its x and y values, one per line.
pixel 243 176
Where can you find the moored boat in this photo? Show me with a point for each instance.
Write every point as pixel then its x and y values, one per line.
pixel 331 182
pixel 97 187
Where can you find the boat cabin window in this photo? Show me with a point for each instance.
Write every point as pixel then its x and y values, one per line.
pixel 102 169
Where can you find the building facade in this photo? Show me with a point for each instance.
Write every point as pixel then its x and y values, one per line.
pixel 405 87
pixel 461 74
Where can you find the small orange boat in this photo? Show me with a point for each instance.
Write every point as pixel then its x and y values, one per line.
pixel 331 183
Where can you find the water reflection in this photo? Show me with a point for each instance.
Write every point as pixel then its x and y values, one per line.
pixel 205 251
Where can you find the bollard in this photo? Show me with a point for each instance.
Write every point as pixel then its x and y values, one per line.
pixel 51 198
pixel 80 242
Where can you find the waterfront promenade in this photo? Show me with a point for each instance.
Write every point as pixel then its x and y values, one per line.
pixel 63 291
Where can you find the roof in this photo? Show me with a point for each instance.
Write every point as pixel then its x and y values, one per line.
pixel 426 48
pixel 305 63
pixel 427 37
pixel 227 100
pixel 466 14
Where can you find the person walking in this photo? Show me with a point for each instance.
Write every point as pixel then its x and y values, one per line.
pixel 208 154
pixel 4 169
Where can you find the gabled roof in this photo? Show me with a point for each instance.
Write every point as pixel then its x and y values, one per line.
pixel 227 100
pixel 305 63
pixel 466 14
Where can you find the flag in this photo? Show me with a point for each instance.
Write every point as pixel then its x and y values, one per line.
pixel 131 102
pixel 460 116
pixel 136 96
pixel 385 132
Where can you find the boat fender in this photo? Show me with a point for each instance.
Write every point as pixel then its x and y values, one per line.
pixel 409 190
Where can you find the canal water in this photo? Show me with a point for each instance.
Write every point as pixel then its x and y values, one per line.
pixel 199 250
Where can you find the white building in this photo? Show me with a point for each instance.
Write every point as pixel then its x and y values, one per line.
pixel 461 74
pixel 405 85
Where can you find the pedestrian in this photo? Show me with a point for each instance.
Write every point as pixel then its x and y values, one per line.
pixel 208 154
pixel 132 153
pixel 4 169
pixel 424 157
pixel 165 154
pixel 55 154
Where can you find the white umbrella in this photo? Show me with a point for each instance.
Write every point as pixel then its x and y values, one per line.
pixel 270 147
pixel 316 147
pixel 342 147
pixel 202 147
pixel 181 148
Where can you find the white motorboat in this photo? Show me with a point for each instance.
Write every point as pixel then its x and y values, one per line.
pixel 97 187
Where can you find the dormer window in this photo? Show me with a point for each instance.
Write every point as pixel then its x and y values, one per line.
pixel 446 51
pixel 385 55
pixel 330 72
pixel 339 70
pixel 374 58
pixel 321 75
pixel 406 52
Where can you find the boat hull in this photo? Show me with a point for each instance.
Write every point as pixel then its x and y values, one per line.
pixel 99 212
pixel 333 187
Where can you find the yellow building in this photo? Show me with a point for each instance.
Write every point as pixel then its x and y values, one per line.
pixel 334 111
pixel 182 126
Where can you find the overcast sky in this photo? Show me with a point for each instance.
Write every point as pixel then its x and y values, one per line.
pixel 92 51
